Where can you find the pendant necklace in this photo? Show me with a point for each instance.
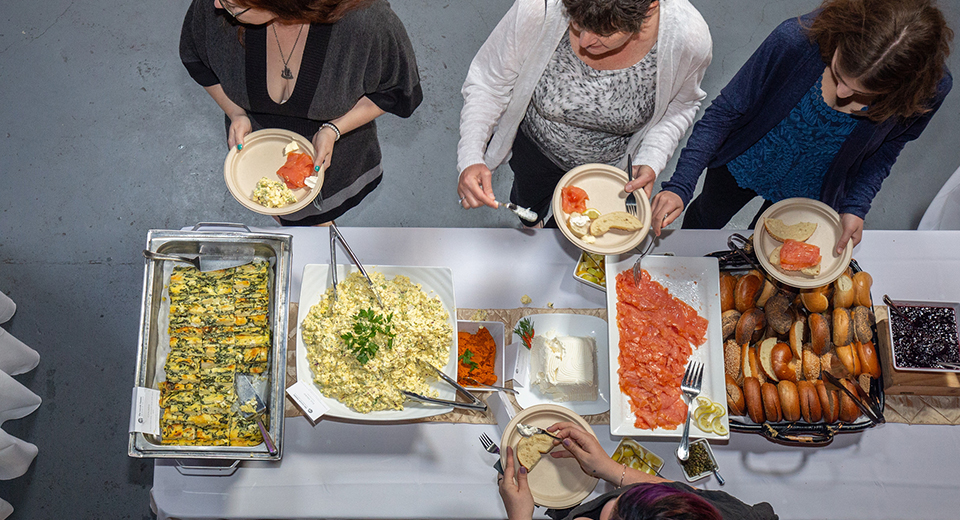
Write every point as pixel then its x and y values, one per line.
pixel 286 74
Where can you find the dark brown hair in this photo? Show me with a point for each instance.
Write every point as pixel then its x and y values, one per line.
pixel 305 11
pixel 893 47
pixel 605 17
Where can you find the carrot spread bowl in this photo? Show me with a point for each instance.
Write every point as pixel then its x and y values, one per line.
pixel 273 173
pixel 480 354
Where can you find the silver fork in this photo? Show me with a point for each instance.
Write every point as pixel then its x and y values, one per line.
pixel 690 386
pixel 636 265
pixel 631 201
pixel 488 443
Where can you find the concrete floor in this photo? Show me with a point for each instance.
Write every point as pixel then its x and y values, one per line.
pixel 104 136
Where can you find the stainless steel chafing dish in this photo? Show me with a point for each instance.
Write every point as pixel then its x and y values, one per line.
pixel 273 248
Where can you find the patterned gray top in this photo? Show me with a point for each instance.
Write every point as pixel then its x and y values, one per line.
pixel 581 115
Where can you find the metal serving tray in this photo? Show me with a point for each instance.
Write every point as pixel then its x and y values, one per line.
pixel 273 248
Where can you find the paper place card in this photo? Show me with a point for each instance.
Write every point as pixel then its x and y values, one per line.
pixel 308 399
pixel 145 411
pixel 521 371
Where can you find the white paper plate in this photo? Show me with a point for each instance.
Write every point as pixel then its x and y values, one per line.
pixel 604 185
pixel 434 281
pixel 572 325
pixel 826 236
pixel 555 483
pixel 262 156
pixel 696 281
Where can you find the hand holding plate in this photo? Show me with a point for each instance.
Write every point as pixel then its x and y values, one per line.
pixel 517 498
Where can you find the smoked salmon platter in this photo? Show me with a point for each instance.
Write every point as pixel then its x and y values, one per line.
pixel 654 330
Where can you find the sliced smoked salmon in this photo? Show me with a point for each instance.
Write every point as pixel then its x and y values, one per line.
pixel 656 333
pixel 298 167
pixel 796 255
pixel 574 199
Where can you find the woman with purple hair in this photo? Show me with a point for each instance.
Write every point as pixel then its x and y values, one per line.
pixel 638 496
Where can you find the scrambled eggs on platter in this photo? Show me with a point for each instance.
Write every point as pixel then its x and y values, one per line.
pixel 422 332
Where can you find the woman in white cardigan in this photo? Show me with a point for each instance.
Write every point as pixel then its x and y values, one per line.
pixel 559 83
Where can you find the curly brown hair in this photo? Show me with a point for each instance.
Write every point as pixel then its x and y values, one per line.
pixel 896 48
pixel 605 17
pixel 305 11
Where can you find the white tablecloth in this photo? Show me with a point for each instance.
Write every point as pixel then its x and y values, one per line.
pixel 437 470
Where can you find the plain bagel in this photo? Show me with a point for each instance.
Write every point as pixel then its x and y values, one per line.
pixel 751 394
pixel 614 220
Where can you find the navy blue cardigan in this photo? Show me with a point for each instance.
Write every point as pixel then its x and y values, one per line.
pixel 763 92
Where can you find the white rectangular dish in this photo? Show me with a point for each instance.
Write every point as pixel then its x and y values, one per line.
pixel 695 281
pixel 435 281
pixel 496 329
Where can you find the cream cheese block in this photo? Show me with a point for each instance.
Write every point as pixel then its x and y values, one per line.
pixel 564 368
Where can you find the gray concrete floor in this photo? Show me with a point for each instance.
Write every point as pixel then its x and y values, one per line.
pixel 104 136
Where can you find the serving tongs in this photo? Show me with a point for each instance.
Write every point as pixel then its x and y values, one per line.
pixel 335 237
pixel 866 405
pixel 474 404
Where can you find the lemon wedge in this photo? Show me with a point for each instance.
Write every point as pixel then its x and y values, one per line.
pixel 592 213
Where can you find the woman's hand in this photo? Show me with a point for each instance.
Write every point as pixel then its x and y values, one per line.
pixel 240 126
pixel 666 207
pixel 323 142
pixel 584 447
pixel 643 177
pixel 475 187
pixel 852 230
pixel 517 498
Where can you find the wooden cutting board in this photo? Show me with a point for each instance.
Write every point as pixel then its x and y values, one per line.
pixel 907 382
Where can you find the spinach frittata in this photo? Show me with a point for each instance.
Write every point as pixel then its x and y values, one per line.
pixel 218 328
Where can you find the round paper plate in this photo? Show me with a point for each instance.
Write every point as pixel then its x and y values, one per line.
pixel 262 156
pixel 554 483
pixel 826 236
pixel 604 186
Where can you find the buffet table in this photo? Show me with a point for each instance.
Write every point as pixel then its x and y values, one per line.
pixel 439 470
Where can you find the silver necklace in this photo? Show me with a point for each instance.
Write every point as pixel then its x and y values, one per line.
pixel 286 74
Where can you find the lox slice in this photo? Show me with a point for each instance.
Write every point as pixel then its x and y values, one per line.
pixel 796 255
pixel 294 172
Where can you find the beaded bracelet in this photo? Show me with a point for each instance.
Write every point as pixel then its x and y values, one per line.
pixel 333 127
pixel 622 474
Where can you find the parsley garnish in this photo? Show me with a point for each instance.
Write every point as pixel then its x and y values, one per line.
pixel 467 359
pixel 370 332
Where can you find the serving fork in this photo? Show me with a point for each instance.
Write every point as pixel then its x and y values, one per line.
pixel 636 265
pixel 690 386
pixel 631 201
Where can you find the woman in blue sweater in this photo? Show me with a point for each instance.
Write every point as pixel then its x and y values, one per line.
pixel 821 110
